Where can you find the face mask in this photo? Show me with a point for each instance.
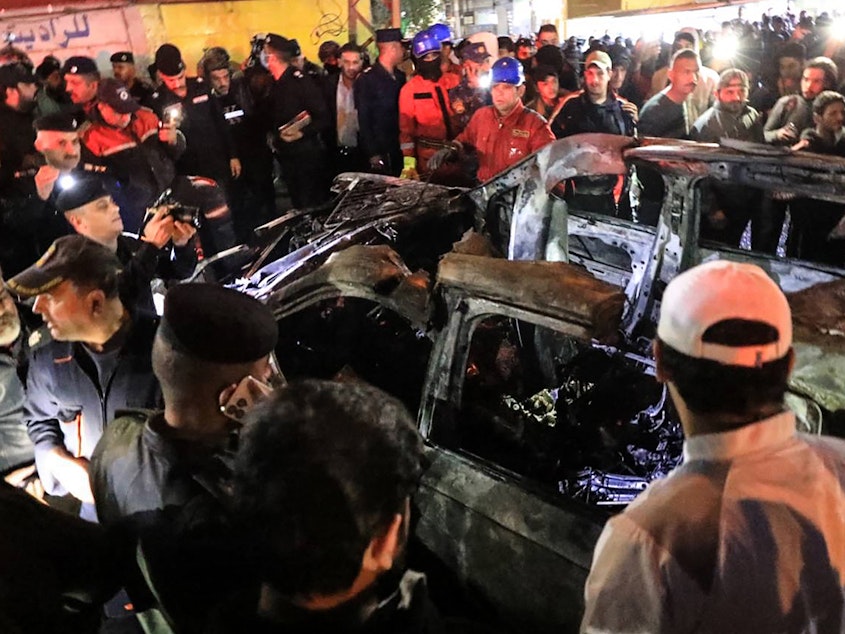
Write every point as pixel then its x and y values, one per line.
pixel 429 70
pixel 262 58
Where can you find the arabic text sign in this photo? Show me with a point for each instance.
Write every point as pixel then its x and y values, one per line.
pixel 58 32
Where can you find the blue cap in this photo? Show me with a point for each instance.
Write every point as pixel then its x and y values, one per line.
pixel 441 32
pixel 507 70
pixel 424 43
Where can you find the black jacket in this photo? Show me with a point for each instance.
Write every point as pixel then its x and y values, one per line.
pixel 292 93
pixel 377 102
pixel 69 405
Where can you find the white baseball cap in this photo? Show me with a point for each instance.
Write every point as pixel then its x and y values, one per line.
pixel 714 292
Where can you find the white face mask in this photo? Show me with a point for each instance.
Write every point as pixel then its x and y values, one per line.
pixel 262 58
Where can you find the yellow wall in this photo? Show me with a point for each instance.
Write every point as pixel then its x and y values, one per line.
pixel 636 5
pixel 194 27
pixel 582 8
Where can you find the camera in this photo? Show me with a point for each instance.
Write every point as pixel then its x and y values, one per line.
pixel 180 212
pixel 173 115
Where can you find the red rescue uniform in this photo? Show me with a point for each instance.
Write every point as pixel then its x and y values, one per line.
pixel 501 142
pixel 422 119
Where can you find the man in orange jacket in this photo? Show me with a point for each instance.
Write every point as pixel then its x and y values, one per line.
pixel 502 134
pixel 424 112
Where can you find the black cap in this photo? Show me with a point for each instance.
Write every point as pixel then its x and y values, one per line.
pixel 475 52
pixel 74 258
pixel 58 122
pixel 217 324
pixel 48 66
pixel 81 192
pixel 294 48
pixel 168 60
pixel 114 93
pixel 277 42
pixel 388 35
pixel 79 65
pixel 524 41
pixel 122 57
pixel 13 74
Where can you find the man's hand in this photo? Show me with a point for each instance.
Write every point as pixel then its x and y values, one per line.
pixel 182 233
pixel 167 134
pixel 289 136
pixel 377 163
pixel 72 473
pixel 45 180
pixel 410 169
pixel 787 133
pixel 235 167
pixel 631 109
pixel 441 156
pixel 159 229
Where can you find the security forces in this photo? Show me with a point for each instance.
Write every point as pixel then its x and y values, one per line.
pixel 298 118
pixel 425 116
pixel 377 102
pixel 123 68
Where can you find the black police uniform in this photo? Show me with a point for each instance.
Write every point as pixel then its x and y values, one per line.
pixel 253 196
pixel 28 225
pixel 377 102
pixel 142 92
pixel 303 162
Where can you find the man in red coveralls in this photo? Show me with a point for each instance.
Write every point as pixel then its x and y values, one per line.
pixel 504 133
pixel 424 112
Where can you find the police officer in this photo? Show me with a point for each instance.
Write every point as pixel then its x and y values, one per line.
pixel 504 133
pixel 299 147
pixel 254 199
pixel 18 86
pixel 123 68
pixel 97 362
pixel 377 102
pixel 471 95
pixel 81 81
pixel 425 115
pixel 186 104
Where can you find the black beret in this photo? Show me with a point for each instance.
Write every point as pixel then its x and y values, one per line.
pixel 388 35
pixel 277 42
pixel 122 57
pixel 168 60
pixel 293 48
pixel 80 192
pixel 524 41
pixel 79 65
pixel 48 66
pixel 217 324
pixel 58 122
pixel 13 74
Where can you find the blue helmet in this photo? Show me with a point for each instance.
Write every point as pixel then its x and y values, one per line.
pixel 441 32
pixel 507 70
pixel 423 43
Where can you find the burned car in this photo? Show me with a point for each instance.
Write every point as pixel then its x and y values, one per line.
pixel 531 374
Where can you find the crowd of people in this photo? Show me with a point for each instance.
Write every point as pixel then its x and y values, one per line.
pixel 300 522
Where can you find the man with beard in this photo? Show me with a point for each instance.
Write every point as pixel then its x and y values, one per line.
pixel 26 225
pixel 425 116
pixel 667 113
pixel 361 455
pixel 817 230
pixel 377 102
pixel 786 79
pixel 123 69
pixel 731 118
pixel 595 109
pixel 51 97
pixel 186 103
pixel 343 135
pixel 299 148
pixel 15 446
pixel 501 134
pixel 792 114
pixel 253 197
pixel 81 81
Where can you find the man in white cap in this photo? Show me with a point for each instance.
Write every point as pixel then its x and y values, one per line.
pixel 747 535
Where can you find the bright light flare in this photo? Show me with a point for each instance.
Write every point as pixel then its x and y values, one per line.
pixel 726 48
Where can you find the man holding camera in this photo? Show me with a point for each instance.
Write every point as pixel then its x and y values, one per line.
pixel 92 212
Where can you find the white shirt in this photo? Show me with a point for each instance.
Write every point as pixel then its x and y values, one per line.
pixel 748 535
pixel 347 116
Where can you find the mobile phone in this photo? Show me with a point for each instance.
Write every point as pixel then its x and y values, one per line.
pixel 248 391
